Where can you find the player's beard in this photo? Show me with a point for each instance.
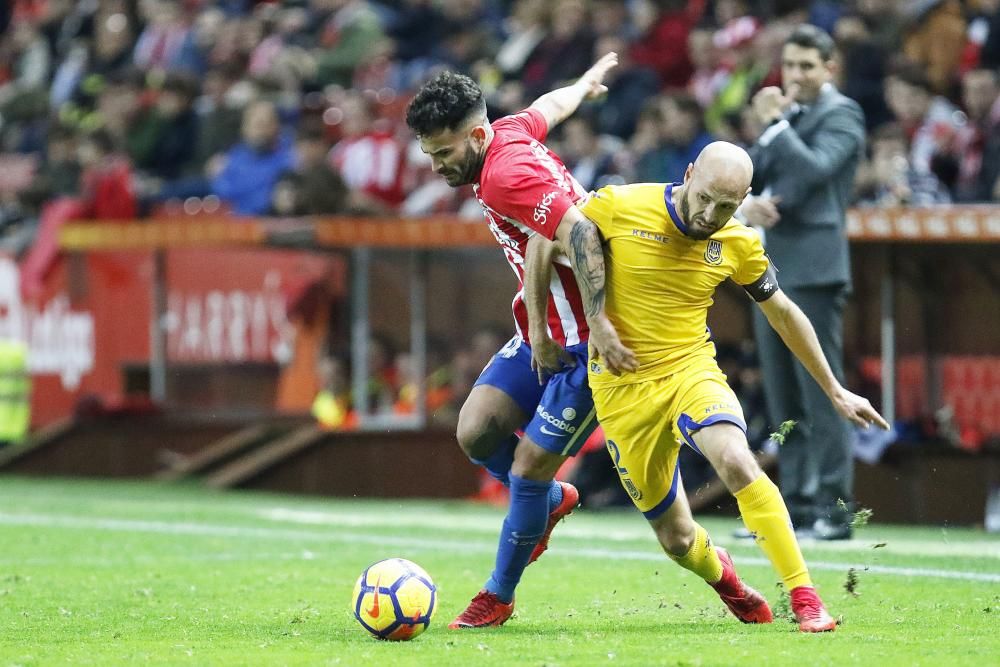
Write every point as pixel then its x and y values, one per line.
pixel 697 233
pixel 468 172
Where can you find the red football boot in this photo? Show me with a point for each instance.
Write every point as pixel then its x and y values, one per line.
pixel 486 610
pixel 746 604
pixel 810 612
pixel 570 499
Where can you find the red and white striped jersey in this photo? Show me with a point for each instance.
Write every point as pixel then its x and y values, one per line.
pixel 374 163
pixel 524 190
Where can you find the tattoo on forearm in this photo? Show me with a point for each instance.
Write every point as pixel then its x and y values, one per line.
pixel 587 258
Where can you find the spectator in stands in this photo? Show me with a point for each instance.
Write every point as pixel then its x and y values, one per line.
pixel 526 28
pixel 977 144
pixel 930 121
pixel 332 405
pixel 611 18
pixel 441 407
pixel 682 137
pixel 725 11
pixel 709 76
pixel 369 157
pixel 383 374
pixel 988 28
pixel 321 190
pixel 246 174
pixel 167 43
pixel 415 31
pixel 118 103
pixel 565 54
pixel 106 180
pixel 473 356
pixel 589 157
pixel 866 39
pixel 646 138
pixel 744 70
pixel 115 27
pixel 629 86
pixel 59 174
pixel 163 138
pixel 22 92
pixel 347 31
pixel 934 39
pixel 888 178
pixel 220 111
pixel 663 46
pixel 471 35
pixel 206 31
pixel 282 56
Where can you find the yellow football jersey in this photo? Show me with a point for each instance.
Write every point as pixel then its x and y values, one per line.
pixel 660 282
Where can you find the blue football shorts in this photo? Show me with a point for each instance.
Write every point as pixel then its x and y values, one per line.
pixel 561 411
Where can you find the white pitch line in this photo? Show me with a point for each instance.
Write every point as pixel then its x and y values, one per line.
pixel 458 546
pixel 634 531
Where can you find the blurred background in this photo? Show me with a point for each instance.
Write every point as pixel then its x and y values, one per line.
pixel 223 256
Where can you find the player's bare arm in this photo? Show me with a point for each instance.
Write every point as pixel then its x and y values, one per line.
pixel 560 104
pixel 547 356
pixel 582 243
pixel 795 329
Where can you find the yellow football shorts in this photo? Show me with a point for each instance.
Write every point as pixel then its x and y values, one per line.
pixel 646 423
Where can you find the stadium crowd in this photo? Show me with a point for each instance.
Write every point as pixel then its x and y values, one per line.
pixel 294 107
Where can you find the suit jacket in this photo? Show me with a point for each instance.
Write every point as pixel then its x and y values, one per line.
pixel 811 167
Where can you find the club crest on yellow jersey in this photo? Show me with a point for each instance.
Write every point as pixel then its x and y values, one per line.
pixel 713 253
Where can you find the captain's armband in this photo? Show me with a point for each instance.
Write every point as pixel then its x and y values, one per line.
pixel 764 287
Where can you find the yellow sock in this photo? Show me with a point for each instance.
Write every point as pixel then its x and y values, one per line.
pixel 766 516
pixel 701 557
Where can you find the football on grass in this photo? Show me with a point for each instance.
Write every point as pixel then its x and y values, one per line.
pixel 394 599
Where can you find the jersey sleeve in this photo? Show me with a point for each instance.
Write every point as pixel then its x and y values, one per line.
pixel 600 209
pixel 529 194
pixel 752 262
pixel 530 121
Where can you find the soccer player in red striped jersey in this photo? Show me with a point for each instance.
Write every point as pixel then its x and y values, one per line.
pixel 537 382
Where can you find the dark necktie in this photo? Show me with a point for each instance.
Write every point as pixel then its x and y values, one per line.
pixel 796 113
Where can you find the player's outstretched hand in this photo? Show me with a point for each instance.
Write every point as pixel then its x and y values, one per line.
pixel 858 409
pixel 549 357
pixel 593 78
pixel 607 348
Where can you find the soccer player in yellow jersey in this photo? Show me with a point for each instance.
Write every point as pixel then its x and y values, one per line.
pixel 666 247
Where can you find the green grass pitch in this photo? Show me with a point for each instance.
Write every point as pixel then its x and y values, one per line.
pixel 112 573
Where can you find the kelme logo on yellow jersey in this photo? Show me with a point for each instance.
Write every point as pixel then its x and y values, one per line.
pixel 713 253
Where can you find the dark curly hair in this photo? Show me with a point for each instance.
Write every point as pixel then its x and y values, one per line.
pixel 444 103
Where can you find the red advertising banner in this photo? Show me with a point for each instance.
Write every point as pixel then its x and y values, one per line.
pixel 92 316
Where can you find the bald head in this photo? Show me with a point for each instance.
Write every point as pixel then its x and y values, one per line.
pixel 714 187
pixel 725 165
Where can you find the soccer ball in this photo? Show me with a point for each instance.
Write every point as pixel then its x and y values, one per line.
pixel 394 599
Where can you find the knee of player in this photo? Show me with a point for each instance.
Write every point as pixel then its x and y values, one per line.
pixel 474 440
pixel 737 466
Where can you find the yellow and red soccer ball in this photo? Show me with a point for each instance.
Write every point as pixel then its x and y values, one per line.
pixel 394 599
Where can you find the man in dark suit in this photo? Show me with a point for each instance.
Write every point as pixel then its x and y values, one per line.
pixel 804 164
